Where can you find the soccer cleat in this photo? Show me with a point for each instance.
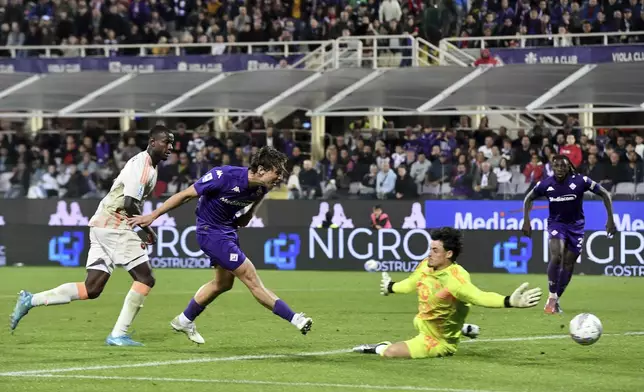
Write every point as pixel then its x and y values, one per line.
pixel 551 306
pixel 558 308
pixel 23 305
pixel 472 331
pixel 369 348
pixel 122 341
pixel 190 330
pixel 302 322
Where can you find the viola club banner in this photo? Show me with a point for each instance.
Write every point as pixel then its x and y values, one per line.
pixel 572 55
pixel 124 64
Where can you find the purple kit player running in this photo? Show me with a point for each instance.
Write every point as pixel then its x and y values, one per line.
pixel 565 193
pixel 225 192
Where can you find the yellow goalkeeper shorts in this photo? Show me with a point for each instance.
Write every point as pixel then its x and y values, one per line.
pixel 426 346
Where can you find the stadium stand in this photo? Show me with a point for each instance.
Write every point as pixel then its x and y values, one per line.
pixel 450 161
pixel 445 163
pixel 71 23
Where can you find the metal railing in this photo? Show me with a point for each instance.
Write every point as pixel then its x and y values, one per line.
pixel 522 39
pixel 450 45
pixel 284 49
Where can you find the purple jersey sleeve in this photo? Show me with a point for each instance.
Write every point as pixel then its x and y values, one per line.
pixel 590 185
pixel 539 190
pixel 213 182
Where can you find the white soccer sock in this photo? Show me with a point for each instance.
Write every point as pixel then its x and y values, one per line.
pixel 63 294
pixel 183 320
pixel 133 303
pixel 553 295
pixel 381 349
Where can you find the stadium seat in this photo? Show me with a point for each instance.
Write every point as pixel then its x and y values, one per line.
pixel 518 178
pixel 640 189
pixel 515 169
pixel 5 183
pixel 354 188
pixel 431 189
pixel 625 188
pixel 507 188
pixel 522 188
pixel 446 189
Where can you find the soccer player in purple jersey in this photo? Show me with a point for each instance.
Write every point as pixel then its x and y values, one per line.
pixel 223 193
pixel 565 193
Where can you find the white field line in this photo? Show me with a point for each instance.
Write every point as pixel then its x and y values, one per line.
pixel 175 362
pixel 259 382
pixel 266 356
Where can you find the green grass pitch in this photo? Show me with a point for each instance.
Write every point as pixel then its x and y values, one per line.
pixel 249 349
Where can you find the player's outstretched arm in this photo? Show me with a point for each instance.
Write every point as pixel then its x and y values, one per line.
pixel 522 297
pixel 173 202
pixel 388 286
pixel 608 204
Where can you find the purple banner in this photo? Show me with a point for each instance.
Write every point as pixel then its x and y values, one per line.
pixel 572 55
pixel 118 64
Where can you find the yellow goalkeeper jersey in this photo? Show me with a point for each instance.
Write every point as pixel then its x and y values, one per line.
pixel 444 298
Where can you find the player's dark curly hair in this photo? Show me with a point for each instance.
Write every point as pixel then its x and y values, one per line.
pixel 269 158
pixel 571 167
pixel 451 238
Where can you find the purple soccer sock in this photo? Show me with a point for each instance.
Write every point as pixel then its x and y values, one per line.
pixel 282 309
pixel 564 278
pixel 553 277
pixel 193 310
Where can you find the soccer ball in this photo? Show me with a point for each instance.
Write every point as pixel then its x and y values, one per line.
pixel 371 265
pixel 585 329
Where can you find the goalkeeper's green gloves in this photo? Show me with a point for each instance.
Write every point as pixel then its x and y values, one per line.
pixel 386 284
pixel 523 297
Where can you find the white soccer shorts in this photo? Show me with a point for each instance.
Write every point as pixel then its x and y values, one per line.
pixel 111 247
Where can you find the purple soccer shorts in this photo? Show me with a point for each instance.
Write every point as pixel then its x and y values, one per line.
pixel 223 251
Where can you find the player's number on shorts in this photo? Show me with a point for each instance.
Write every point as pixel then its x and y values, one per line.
pixel 579 242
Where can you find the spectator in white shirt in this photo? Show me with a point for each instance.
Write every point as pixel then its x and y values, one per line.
pixel 399 157
pixel 389 10
pixel 49 183
pixel 385 182
pixel 563 40
pixel 639 145
pixel 487 148
pixel 293 185
pixel 219 47
pixel 196 144
pixel 503 173
pixel 419 169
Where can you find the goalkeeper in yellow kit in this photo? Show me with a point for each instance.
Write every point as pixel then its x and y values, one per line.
pixel 445 293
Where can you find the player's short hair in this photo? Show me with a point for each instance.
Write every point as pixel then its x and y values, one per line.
pixel 451 238
pixel 270 159
pixel 158 131
pixel 571 167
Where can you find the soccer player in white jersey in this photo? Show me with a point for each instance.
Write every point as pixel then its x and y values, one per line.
pixel 113 242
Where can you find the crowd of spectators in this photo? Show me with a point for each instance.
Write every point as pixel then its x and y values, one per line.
pixel 363 163
pixel 465 164
pixel 84 165
pixel 557 18
pixel 107 22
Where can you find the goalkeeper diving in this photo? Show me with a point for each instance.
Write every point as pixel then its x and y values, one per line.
pixel 445 294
